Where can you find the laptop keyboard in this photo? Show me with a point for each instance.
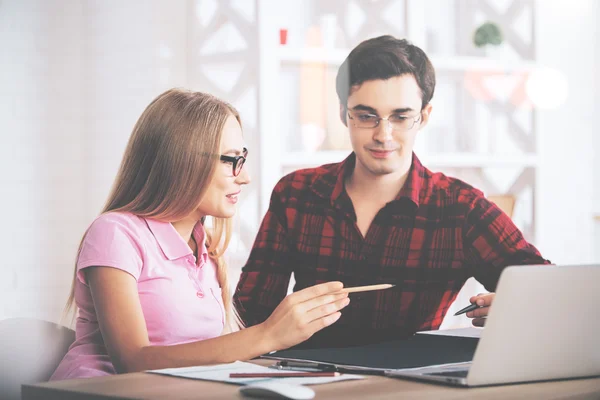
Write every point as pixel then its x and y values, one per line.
pixel 461 373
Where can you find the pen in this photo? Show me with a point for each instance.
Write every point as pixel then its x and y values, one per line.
pixel 468 308
pixel 366 288
pixel 304 366
pixel 305 374
pixel 319 367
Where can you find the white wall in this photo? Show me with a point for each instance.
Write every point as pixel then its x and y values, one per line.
pixel 565 34
pixel 75 75
pixel 42 182
pixel 596 139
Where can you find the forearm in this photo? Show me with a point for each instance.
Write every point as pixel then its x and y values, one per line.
pixel 493 242
pixel 242 345
pixel 487 271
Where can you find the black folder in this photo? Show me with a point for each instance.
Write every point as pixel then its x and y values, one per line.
pixel 420 350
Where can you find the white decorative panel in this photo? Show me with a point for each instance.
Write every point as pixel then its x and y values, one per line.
pixel 223 59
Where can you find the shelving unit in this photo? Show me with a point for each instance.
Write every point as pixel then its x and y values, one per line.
pixel 284 161
pixel 280 157
pixel 335 57
pixel 450 160
pixel 507 153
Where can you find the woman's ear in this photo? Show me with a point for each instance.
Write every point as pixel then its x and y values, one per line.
pixel 343 114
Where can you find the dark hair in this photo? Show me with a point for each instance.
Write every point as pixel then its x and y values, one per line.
pixel 385 57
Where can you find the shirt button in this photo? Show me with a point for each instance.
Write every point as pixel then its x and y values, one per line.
pixel 199 294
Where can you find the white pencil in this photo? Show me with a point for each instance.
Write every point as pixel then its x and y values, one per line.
pixel 366 288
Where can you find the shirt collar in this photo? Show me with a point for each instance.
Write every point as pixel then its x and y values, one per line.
pixel 412 188
pixel 172 244
pixel 329 180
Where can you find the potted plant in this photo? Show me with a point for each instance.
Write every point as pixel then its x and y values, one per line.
pixel 489 37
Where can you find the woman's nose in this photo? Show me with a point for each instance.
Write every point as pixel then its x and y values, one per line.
pixel 244 177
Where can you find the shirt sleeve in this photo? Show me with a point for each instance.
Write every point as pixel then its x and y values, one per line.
pixel 493 242
pixel 265 278
pixel 111 241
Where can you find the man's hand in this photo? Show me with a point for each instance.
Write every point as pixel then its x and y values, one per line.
pixel 484 301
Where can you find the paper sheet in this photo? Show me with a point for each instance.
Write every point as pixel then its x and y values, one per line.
pixel 462 332
pixel 220 373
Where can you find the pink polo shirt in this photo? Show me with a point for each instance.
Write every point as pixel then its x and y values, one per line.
pixel 180 296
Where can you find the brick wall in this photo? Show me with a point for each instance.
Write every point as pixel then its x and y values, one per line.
pixel 75 75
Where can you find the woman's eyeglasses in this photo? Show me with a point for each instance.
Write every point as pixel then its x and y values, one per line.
pixel 237 162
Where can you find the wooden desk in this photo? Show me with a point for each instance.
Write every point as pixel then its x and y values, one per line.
pixel 152 386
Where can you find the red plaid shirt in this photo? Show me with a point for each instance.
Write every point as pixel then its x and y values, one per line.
pixel 428 241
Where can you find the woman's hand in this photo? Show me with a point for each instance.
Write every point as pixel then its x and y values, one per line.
pixel 303 313
pixel 484 301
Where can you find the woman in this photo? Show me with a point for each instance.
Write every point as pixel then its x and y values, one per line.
pixel 150 282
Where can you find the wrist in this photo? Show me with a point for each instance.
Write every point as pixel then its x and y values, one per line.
pixel 267 341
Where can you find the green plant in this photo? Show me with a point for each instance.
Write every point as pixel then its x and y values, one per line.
pixel 487 33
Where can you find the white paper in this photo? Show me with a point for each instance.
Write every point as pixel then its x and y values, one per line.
pixel 220 373
pixel 461 332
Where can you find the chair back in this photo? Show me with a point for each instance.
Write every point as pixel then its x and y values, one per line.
pixel 505 202
pixel 30 350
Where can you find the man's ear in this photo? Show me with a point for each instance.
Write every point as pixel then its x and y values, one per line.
pixel 343 114
pixel 425 113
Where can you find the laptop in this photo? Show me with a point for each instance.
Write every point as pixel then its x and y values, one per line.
pixel 543 325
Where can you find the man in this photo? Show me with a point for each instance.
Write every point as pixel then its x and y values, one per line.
pixel 380 216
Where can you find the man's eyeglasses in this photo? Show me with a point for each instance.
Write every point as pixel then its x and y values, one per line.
pixel 399 122
pixel 237 162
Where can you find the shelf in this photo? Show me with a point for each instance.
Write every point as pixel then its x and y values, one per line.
pixel 308 159
pixel 335 57
pixel 291 55
pixel 476 160
pixel 454 160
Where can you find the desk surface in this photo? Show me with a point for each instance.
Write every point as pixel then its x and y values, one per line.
pixel 152 386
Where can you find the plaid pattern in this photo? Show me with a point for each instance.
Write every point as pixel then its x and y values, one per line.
pixel 428 241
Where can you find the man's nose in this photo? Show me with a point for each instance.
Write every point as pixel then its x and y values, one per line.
pixel 384 131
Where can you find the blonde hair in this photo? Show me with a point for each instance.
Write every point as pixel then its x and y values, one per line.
pixel 168 165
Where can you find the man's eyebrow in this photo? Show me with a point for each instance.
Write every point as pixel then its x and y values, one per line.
pixel 362 107
pixel 402 110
